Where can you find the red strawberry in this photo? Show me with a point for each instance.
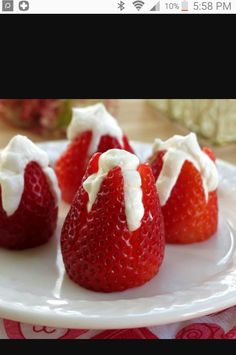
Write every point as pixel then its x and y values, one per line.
pixel 34 221
pixel 210 153
pixel 99 250
pixel 71 166
pixel 188 217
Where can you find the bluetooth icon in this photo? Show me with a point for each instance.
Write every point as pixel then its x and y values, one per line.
pixel 121 5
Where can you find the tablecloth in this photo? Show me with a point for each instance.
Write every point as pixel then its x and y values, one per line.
pixel 220 325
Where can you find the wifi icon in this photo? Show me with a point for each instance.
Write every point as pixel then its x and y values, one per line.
pixel 138 4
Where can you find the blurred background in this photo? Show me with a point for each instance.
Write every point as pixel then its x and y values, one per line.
pixel 214 121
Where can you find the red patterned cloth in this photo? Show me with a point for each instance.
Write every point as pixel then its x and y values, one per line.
pixel 220 325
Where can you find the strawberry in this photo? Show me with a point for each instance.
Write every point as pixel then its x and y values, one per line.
pixel 210 153
pixel 35 219
pixel 99 249
pixel 188 216
pixel 28 195
pixel 71 165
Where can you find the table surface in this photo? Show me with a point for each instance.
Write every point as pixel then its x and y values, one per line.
pixel 140 121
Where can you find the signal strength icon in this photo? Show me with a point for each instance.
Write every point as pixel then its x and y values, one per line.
pixel 138 4
pixel 156 7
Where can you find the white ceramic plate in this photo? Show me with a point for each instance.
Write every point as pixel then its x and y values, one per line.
pixel 194 280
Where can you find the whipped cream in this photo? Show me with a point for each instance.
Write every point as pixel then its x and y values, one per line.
pixel 133 194
pixel 97 119
pixel 180 149
pixel 13 160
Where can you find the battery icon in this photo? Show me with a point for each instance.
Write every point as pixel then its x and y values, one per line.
pixel 184 6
